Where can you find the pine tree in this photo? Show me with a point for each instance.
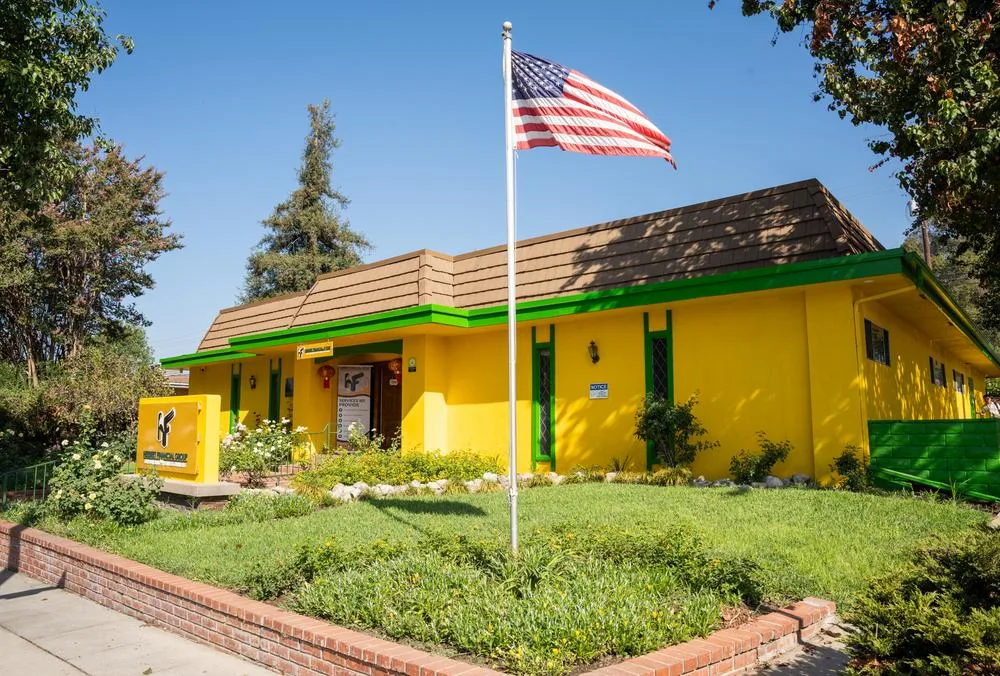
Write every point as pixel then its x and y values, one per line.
pixel 308 235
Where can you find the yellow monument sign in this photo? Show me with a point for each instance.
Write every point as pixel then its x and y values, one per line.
pixel 179 437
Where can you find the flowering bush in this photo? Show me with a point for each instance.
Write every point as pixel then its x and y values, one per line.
pixel 259 452
pixel 90 479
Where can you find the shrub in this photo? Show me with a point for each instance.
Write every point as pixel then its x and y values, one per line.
pixel 90 479
pixel 753 468
pixel 394 468
pixel 672 429
pixel 258 452
pixel 359 442
pixel 853 471
pixel 941 615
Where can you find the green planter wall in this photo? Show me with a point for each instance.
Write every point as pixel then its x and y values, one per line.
pixel 945 454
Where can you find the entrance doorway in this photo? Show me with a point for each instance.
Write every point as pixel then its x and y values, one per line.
pixel 387 401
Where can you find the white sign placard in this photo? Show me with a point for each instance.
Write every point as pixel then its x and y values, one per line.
pixel 354 400
pixel 598 390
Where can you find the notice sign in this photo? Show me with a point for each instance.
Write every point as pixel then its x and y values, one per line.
pixel 598 390
pixel 354 400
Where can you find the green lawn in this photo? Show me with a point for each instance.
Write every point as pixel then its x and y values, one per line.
pixel 825 542
pixel 607 570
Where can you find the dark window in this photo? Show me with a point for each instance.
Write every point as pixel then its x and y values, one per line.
pixel 234 400
pixel 544 403
pixel 938 373
pixel 274 396
pixel 877 342
pixel 660 375
pixel 959 381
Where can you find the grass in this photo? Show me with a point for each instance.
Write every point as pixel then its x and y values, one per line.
pixel 598 558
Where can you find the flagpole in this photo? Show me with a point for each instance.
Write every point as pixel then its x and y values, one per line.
pixel 508 115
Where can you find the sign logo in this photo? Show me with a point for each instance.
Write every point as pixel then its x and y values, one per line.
pixel 163 425
pixel 351 381
pixel 314 350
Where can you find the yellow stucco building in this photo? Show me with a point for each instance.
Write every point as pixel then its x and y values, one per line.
pixel 776 307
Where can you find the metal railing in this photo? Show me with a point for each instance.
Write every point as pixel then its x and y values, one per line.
pixel 28 483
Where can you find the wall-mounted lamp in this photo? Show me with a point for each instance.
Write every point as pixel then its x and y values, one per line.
pixel 595 356
pixel 253 382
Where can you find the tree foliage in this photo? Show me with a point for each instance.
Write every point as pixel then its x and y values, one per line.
pixel 49 49
pixel 928 71
pixel 307 235
pixel 69 271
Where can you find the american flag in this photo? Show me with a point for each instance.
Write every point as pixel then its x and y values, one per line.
pixel 556 106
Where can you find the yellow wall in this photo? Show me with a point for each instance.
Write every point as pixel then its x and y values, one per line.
pixel 903 390
pixel 784 362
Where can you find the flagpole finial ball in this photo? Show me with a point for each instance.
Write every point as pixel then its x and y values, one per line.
pixel 507 25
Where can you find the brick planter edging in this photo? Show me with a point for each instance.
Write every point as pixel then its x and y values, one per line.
pixel 303 646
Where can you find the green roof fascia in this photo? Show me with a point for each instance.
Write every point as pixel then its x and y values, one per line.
pixel 741 281
pixel 206 357
pixel 382 321
pixel 928 283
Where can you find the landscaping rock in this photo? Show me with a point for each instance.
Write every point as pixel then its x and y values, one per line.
pixel 492 477
pixel 723 483
pixel 438 486
pixel 757 484
pixel 744 487
pixel 383 490
pixel 416 484
pixel 800 479
pixel 343 493
pixel 474 485
pixel 283 490
pixel 773 482
pixel 362 487
pixel 610 476
pixel 526 476
pixel 701 483
pixel 995 523
pixel 556 479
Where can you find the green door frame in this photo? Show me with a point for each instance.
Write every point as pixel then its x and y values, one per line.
pixel 972 399
pixel 536 405
pixel 647 338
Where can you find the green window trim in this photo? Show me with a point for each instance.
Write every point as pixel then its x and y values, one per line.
pixel 972 399
pixel 235 384
pixel 274 391
pixel 536 402
pixel 667 335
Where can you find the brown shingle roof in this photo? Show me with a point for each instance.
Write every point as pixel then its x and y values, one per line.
pixel 785 224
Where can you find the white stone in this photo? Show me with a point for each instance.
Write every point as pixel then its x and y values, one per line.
pixel 416 484
pixel 355 491
pixel 474 485
pixel 800 479
pixel 361 486
pixel 342 493
pixel 556 479
pixel 525 476
pixel 610 476
pixel 492 477
pixel 773 482
pixel 995 523
pixel 382 490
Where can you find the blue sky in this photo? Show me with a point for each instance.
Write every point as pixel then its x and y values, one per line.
pixel 215 96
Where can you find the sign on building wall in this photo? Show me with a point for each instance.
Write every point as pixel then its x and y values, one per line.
pixel 598 390
pixel 179 437
pixel 314 350
pixel 354 400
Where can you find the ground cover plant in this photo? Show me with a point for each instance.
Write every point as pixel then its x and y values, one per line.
pixel 433 569
pixel 747 468
pixel 940 614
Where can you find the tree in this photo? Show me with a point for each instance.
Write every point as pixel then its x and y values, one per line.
pixel 69 271
pixel 308 236
pixel 929 72
pixel 49 49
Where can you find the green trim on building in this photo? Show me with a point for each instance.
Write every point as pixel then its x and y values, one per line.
pixel 842 268
pixel 536 407
pixel 206 357
pixel 382 347
pixel 274 390
pixel 235 385
pixel 667 335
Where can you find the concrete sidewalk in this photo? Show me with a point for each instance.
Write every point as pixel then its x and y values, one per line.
pixel 47 631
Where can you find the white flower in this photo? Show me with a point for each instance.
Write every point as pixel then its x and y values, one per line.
pixel 88 506
pixel 92 496
pixel 97 464
pixel 65 442
pixel 76 456
pixel 104 445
